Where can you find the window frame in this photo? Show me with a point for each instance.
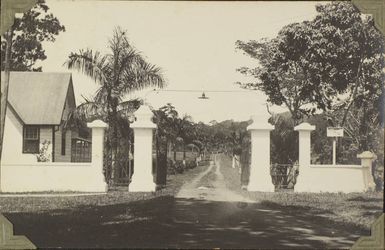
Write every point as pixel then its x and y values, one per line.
pixel 25 127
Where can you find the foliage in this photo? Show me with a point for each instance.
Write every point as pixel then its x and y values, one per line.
pixel 179 131
pixel 284 140
pixel 44 152
pixel 223 136
pixel 29 32
pixel 327 63
pixel 118 73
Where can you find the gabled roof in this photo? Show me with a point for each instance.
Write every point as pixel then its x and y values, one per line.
pixel 39 98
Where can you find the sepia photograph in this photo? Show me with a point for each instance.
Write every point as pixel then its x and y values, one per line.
pixel 192 124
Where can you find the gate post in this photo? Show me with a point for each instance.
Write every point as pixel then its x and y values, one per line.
pixel 142 179
pixel 97 152
pixel 304 130
pixel 367 159
pixel 260 178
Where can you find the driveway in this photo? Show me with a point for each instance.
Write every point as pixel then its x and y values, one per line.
pixel 204 214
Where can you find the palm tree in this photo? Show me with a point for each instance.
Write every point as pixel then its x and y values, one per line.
pixel 118 73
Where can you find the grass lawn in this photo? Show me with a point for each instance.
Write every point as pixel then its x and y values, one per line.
pixel 38 204
pixel 360 209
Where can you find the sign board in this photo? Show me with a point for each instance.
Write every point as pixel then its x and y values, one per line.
pixel 334 132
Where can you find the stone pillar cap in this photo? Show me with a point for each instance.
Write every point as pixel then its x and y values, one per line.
pixel 367 155
pixel 143 118
pixel 97 124
pixel 260 122
pixel 260 126
pixel 304 127
pixel 143 110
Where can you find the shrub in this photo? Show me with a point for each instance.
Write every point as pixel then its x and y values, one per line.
pixel 170 167
pixel 179 167
pixel 191 164
pixel 44 154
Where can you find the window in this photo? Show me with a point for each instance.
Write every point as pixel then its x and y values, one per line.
pixel 31 141
pixel 63 143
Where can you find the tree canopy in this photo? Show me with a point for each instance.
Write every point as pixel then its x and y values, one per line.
pixel 329 63
pixel 28 33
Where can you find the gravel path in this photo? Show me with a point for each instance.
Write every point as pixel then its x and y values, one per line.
pixel 212 188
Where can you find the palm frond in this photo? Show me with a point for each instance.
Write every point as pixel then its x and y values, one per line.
pixel 139 75
pixel 85 112
pixel 101 95
pixel 91 64
pixel 127 109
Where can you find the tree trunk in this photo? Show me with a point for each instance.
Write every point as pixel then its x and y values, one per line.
pixel 161 158
pixel 114 144
pixel 353 96
pixel 184 152
pixel 175 152
pixel 363 131
pixel 4 95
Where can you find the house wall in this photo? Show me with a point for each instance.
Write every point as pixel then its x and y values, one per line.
pixel 58 146
pixel 13 141
pixel 32 176
pixel 68 106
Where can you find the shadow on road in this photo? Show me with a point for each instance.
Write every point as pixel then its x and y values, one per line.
pixel 166 222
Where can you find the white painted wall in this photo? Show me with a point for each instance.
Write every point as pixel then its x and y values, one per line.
pixel 13 141
pixel 51 176
pixel 24 175
pixel 329 178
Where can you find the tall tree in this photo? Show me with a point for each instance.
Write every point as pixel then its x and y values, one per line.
pixel 118 73
pixel 328 63
pixel 28 33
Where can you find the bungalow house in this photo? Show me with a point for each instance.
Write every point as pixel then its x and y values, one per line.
pixel 38 107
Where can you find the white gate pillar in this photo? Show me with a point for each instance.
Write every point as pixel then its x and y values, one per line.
pixel 97 153
pixel 142 179
pixel 304 158
pixel 260 178
pixel 367 159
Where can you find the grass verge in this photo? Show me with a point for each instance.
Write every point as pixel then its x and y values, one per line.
pixel 360 209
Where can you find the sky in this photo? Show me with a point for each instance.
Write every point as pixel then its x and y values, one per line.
pixel 192 42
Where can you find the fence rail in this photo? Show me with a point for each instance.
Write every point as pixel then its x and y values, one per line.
pixel 81 150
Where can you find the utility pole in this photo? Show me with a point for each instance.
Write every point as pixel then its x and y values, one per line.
pixel 4 90
pixel 5 87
